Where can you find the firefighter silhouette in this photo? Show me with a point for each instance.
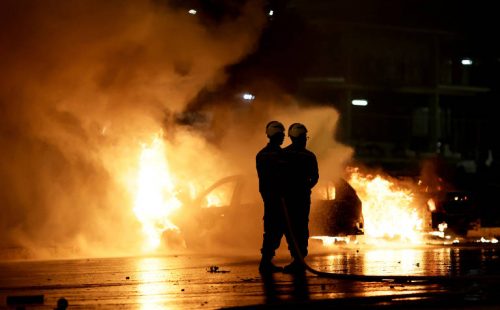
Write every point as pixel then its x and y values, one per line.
pixel 270 170
pixel 301 175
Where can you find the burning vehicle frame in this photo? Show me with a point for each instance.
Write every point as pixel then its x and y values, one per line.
pixel 228 210
pixel 230 206
pixel 365 205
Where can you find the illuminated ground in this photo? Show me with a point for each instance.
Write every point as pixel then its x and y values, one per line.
pixel 208 281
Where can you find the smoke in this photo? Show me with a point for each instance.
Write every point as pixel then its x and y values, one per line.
pixel 85 88
pixel 243 135
pixel 248 130
pixel 83 85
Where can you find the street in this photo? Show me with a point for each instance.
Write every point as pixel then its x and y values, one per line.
pixel 219 281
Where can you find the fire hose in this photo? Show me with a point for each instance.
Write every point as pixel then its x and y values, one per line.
pixel 377 278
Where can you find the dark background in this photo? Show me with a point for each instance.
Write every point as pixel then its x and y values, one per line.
pixel 405 58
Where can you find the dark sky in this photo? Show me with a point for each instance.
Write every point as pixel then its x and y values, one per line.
pixel 290 43
pixel 460 15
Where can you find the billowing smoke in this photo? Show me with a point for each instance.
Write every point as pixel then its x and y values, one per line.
pixel 83 85
pixel 243 136
pixel 87 86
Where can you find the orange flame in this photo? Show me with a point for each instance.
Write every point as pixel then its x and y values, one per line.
pixel 215 200
pixel 330 192
pixel 431 204
pixel 389 211
pixel 155 197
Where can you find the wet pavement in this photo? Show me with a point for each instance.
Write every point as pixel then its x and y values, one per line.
pixel 218 281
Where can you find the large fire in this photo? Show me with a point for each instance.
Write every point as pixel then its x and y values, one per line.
pixel 163 191
pixel 155 198
pixel 390 211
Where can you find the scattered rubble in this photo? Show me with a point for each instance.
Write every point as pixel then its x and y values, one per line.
pixel 17 300
pixel 216 269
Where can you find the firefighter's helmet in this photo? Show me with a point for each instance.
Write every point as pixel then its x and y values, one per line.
pixel 296 130
pixel 273 128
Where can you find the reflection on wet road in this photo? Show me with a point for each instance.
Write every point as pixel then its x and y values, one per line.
pixel 188 281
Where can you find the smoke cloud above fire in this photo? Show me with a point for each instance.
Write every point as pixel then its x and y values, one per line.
pixel 85 86
pixel 81 82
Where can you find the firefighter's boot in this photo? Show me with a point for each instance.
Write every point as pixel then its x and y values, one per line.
pixel 266 266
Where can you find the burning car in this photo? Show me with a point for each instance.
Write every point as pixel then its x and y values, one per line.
pixel 336 211
pixel 452 211
pixel 455 208
pixel 230 211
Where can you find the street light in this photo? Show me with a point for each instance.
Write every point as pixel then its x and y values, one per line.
pixel 467 62
pixel 360 102
pixel 248 97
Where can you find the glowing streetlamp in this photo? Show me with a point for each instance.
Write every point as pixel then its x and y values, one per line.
pixel 467 62
pixel 360 102
pixel 248 97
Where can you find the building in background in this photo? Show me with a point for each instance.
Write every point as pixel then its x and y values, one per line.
pixel 409 77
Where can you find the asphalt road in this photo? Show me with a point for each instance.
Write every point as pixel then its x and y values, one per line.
pixel 217 281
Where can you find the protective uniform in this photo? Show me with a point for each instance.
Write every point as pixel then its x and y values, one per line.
pixel 270 165
pixel 301 176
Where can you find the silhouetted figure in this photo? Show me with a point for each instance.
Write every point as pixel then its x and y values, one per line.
pixel 301 176
pixel 270 167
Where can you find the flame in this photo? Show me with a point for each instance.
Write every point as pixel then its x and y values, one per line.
pixel 324 191
pixel 155 198
pixel 214 200
pixel 330 191
pixel 485 240
pixel 219 197
pixel 431 204
pixel 389 211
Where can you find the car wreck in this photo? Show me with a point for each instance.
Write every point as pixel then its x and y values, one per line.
pixel 230 211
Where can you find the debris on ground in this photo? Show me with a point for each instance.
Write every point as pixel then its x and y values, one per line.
pixel 24 299
pixel 216 269
pixel 62 304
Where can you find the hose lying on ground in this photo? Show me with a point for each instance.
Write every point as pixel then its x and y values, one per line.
pixel 378 278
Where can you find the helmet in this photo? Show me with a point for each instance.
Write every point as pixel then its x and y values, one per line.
pixel 273 128
pixel 296 130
